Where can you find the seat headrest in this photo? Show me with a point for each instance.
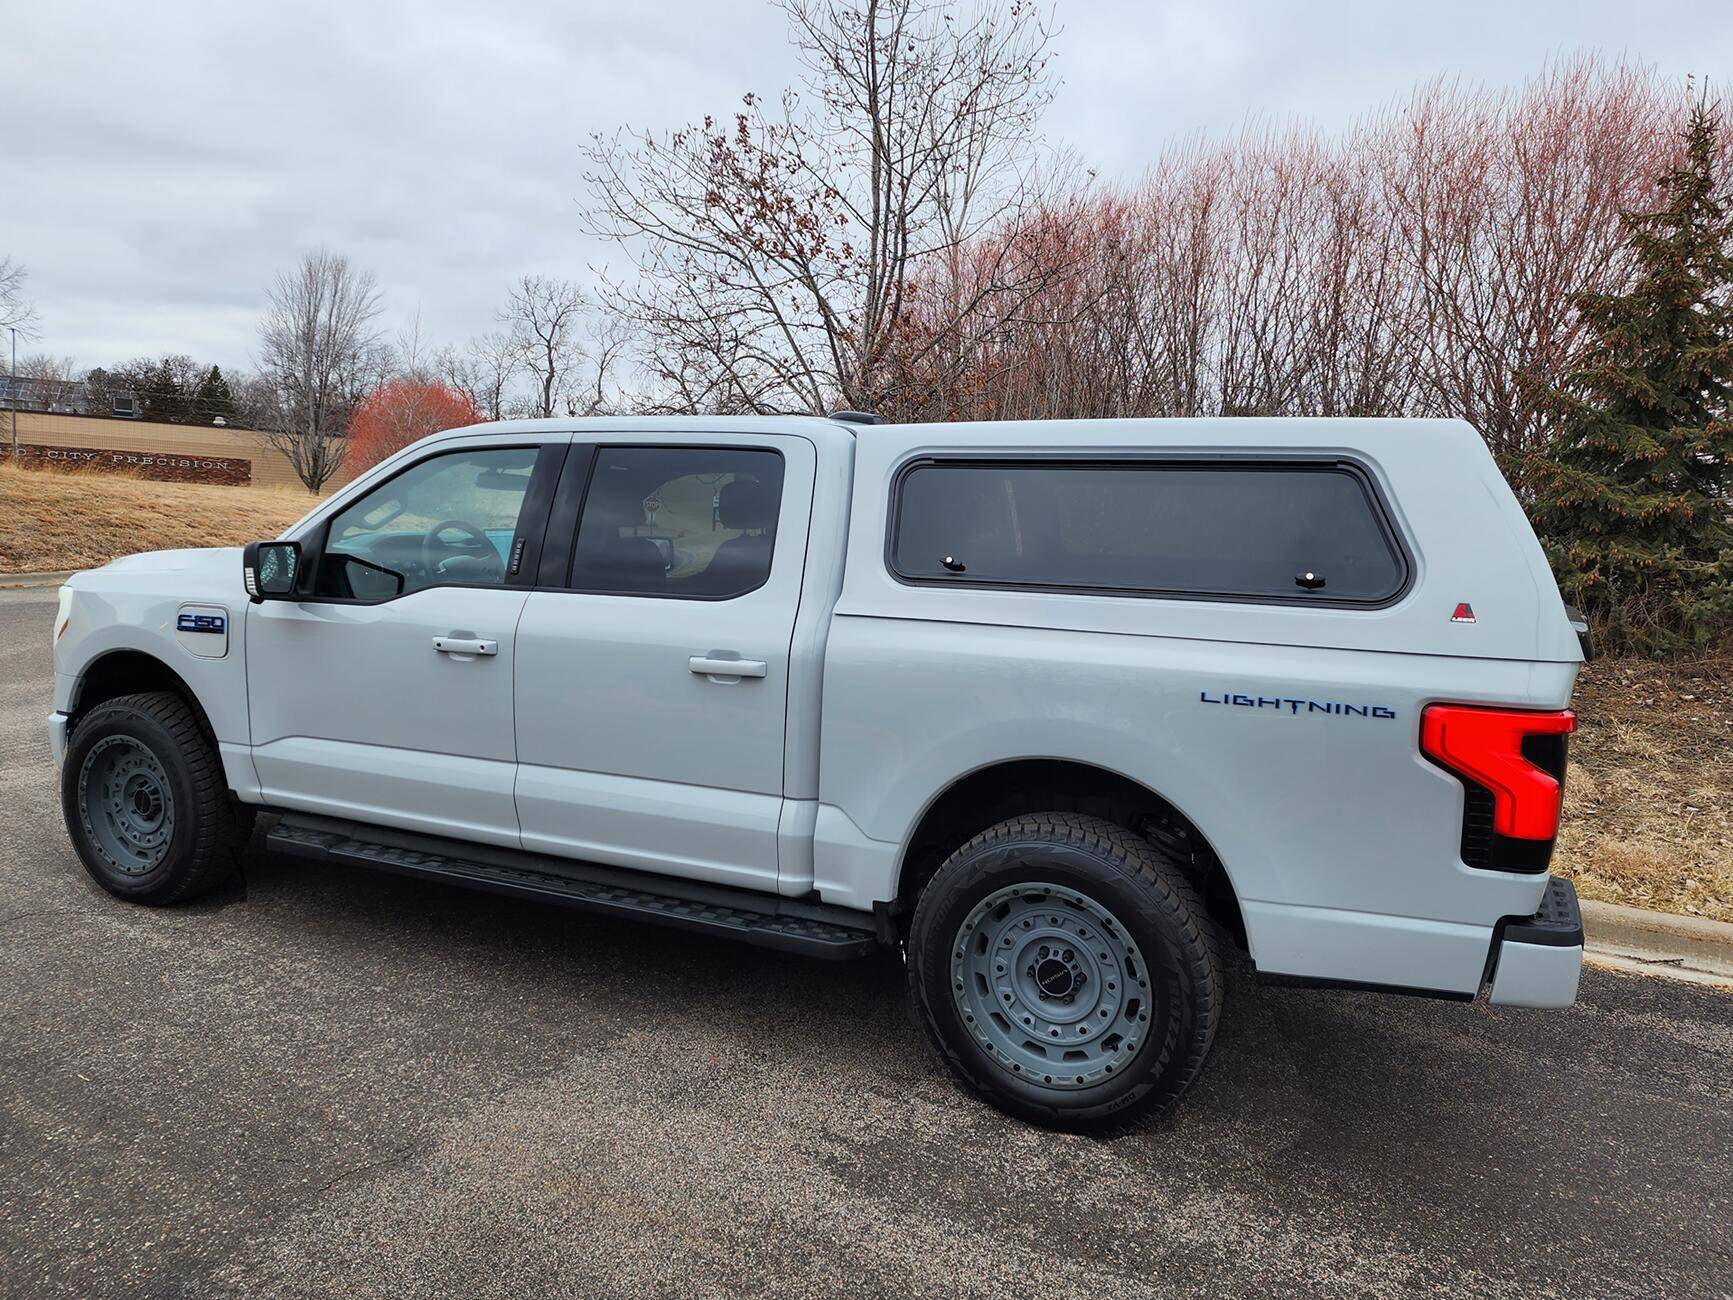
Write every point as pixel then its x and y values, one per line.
pixel 747 503
pixel 608 507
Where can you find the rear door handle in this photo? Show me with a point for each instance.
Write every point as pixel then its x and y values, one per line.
pixel 705 666
pixel 457 645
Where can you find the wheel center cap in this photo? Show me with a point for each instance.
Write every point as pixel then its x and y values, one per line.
pixel 142 797
pixel 1054 978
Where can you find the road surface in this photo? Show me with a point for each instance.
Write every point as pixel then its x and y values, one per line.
pixel 323 1083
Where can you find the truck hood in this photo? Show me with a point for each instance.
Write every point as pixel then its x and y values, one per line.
pixel 206 559
pixel 212 573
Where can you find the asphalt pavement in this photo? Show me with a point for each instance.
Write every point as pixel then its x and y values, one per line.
pixel 325 1083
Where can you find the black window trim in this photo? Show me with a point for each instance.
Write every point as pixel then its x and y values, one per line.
pixel 531 529
pixel 576 486
pixel 561 539
pixel 1253 461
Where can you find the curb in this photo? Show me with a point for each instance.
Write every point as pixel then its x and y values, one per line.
pixel 1662 943
pixel 34 579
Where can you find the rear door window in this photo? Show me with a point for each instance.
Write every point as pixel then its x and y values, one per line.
pixel 1297 533
pixel 678 521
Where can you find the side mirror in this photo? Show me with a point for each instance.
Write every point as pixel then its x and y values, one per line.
pixel 269 570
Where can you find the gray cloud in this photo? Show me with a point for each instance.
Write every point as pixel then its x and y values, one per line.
pixel 162 162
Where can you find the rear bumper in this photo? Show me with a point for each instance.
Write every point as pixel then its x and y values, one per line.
pixel 1537 960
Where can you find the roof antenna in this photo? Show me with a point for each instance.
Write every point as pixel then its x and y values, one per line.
pixel 857 417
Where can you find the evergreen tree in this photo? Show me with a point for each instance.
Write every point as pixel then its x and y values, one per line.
pixel 212 399
pixel 162 396
pixel 1632 495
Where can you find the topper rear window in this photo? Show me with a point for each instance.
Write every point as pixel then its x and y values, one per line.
pixel 1301 533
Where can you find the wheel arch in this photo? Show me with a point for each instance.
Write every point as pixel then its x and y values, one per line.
pixel 118 672
pixel 996 791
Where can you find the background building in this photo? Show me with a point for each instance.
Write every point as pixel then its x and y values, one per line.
pixel 190 453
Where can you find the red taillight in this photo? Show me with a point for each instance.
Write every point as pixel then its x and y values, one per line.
pixel 1485 745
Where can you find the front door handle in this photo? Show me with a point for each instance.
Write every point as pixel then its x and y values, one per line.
pixel 457 645
pixel 706 666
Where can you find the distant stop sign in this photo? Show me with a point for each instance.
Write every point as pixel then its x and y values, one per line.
pixel 652 504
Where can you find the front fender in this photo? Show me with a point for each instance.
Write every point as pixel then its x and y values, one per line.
pixel 137 609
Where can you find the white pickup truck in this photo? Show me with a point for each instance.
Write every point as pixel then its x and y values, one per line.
pixel 1066 711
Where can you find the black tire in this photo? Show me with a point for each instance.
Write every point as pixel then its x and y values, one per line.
pixel 144 751
pixel 1168 945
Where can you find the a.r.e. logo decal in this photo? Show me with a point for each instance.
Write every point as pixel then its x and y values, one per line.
pixel 1464 613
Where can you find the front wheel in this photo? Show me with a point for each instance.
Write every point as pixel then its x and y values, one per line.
pixel 145 801
pixel 1066 971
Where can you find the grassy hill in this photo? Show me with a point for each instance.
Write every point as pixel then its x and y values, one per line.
pixel 1649 792
pixel 75 519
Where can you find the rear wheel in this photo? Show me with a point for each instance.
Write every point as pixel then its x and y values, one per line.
pixel 1066 971
pixel 145 801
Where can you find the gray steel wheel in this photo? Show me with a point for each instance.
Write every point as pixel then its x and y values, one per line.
pixel 1050 985
pixel 145 800
pixel 126 804
pixel 1065 970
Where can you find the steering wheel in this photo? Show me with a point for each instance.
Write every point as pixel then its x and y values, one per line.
pixel 435 551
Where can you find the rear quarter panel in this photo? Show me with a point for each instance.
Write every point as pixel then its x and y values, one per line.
pixel 1340 839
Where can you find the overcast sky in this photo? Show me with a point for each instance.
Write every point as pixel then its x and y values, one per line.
pixel 160 162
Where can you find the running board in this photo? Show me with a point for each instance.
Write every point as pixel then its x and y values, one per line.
pixel 765 920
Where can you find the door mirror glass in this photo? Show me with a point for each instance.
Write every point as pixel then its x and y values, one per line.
pixel 269 569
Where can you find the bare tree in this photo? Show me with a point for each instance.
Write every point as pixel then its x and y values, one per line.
pixel 607 341
pixel 16 311
pixel 1506 206
pixel 483 370
pixel 320 352
pixel 412 355
pixel 1421 263
pixel 776 254
pixel 545 317
pixel 258 403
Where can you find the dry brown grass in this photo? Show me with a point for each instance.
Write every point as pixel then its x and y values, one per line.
pixel 1649 795
pixel 75 519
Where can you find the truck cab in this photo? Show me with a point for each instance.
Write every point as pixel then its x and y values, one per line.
pixel 1046 707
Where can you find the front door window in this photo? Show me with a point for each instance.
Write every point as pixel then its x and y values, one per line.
pixel 449 520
